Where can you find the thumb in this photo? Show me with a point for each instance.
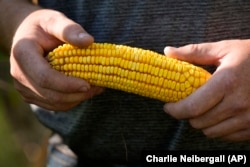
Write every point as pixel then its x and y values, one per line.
pixel 68 31
pixel 203 54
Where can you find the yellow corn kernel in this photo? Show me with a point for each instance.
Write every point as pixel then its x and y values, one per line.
pixel 134 70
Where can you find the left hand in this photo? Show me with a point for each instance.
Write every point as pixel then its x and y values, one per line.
pixel 221 107
pixel 35 79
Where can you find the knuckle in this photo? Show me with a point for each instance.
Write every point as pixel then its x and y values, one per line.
pixel 231 81
pixel 53 19
pixel 193 47
pixel 55 99
pixel 27 97
pixel 241 105
pixel 16 51
pixel 247 119
pixel 208 134
pixel 43 80
pixel 244 121
pixel 193 109
pixel 15 72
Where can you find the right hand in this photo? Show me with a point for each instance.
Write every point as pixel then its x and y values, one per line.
pixel 34 78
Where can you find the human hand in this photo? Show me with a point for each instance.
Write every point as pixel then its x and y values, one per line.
pixel 34 78
pixel 221 107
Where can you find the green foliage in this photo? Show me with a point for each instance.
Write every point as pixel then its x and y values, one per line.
pixel 10 153
pixel 23 140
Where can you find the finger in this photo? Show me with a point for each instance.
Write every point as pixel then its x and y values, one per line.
pixel 230 106
pixel 32 98
pixel 203 54
pixel 69 104
pixel 49 96
pixel 217 114
pixel 243 135
pixel 55 101
pixel 200 101
pixel 55 107
pixel 54 80
pixel 67 30
pixel 228 126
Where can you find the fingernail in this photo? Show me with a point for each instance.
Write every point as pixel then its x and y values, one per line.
pixel 84 89
pixel 85 36
pixel 165 108
pixel 168 49
pixel 82 35
pixel 85 39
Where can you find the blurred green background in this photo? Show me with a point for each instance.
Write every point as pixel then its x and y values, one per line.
pixel 23 140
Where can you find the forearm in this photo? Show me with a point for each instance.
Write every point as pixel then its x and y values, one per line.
pixel 12 14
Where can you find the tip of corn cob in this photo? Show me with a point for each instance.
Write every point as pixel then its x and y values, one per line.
pixel 130 69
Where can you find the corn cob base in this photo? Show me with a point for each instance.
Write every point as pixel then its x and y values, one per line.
pixel 129 69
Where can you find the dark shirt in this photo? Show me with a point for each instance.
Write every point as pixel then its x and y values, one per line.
pixel 115 125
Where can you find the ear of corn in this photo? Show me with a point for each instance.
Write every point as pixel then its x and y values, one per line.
pixel 129 69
